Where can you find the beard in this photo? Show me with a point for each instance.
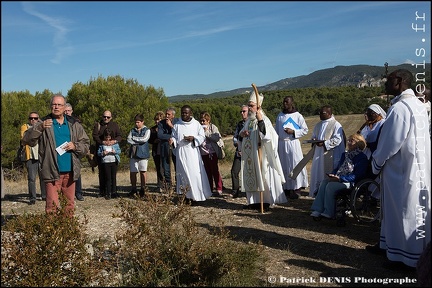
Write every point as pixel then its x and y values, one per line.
pixel 252 115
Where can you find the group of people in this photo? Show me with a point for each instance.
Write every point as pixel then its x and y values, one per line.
pixel 268 166
pixel 394 148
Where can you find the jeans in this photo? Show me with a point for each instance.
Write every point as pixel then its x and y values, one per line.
pixel 325 201
pixel 78 187
pixel 166 154
pixel 33 171
pixel 160 176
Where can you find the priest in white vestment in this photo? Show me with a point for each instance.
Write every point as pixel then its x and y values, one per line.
pixel 329 149
pixel 290 127
pixel 260 165
pixel 187 135
pixel 403 159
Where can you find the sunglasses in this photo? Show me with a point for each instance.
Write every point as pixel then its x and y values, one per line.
pixel 106 117
pixel 33 118
pixel 243 111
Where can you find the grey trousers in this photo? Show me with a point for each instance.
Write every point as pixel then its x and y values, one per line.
pixel 33 171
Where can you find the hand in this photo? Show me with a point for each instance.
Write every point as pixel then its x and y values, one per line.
pixel 189 138
pixel 259 116
pixel 70 146
pixel 169 123
pixel 289 131
pixel 109 142
pixel 319 144
pixel 333 177
pixel 47 123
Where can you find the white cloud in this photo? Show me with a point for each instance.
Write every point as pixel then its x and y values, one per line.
pixel 60 41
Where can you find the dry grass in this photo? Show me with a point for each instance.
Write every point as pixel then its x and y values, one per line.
pixel 298 248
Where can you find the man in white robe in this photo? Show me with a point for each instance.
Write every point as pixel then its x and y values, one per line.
pixel 403 159
pixel 290 127
pixel 187 135
pixel 260 165
pixel 328 150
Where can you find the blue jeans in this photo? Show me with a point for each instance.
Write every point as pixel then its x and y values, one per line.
pixel 78 187
pixel 166 154
pixel 33 171
pixel 325 201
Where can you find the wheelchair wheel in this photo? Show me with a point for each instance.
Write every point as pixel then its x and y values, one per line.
pixel 364 207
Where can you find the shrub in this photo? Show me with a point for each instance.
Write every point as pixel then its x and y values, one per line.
pixel 160 246
pixel 163 246
pixel 44 250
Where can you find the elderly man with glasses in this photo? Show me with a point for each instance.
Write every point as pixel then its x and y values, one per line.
pixel 98 137
pixel 62 143
pixel 262 175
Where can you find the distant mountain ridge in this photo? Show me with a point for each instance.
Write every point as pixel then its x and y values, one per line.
pixel 339 76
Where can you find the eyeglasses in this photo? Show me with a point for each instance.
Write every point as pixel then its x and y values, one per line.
pixel 106 117
pixel 57 105
pixel 33 118
pixel 243 111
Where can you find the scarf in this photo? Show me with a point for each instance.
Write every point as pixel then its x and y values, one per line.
pixel 347 166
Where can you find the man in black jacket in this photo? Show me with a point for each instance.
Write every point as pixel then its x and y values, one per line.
pixel 166 152
pixel 236 165
pixel 98 132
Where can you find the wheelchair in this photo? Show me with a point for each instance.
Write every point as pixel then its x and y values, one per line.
pixel 359 203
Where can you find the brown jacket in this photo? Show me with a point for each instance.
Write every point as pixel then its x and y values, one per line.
pixel 47 147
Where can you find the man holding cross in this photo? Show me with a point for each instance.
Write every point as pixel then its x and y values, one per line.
pixel 262 175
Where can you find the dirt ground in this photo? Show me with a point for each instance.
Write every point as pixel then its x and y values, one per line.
pixel 300 250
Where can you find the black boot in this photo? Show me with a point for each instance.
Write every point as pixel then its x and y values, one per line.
pixel 141 192
pixel 236 194
pixel 132 192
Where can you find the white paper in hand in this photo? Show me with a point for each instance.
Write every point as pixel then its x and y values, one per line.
pixel 60 149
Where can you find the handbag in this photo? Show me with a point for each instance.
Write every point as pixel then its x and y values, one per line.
pixel 92 156
pixel 21 154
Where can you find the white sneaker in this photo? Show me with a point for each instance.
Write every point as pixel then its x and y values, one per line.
pixel 315 214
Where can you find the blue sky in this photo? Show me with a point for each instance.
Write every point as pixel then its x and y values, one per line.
pixel 201 47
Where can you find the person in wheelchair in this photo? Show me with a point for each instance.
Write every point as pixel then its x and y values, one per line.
pixel 351 169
